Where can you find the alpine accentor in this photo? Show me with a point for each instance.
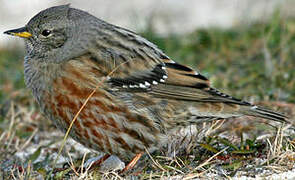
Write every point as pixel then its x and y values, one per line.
pixel 142 94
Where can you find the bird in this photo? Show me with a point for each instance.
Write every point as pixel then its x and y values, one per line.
pixel 127 94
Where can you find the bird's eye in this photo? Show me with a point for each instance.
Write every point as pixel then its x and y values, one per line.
pixel 46 32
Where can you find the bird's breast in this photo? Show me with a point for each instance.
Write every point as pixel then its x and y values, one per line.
pixel 100 120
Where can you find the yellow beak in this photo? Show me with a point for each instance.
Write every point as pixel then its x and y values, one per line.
pixel 20 32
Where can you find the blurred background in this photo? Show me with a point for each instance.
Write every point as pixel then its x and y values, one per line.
pixel 246 48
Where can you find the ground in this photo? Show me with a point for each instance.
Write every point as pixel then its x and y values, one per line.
pixel 253 62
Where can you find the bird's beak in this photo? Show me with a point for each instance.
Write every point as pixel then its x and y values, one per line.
pixel 20 32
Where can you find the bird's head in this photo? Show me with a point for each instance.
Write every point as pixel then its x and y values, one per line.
pixel 56 33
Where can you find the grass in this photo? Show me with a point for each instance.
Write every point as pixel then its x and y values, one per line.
pixel 254 61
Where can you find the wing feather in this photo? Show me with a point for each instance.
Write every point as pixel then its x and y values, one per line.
pixel 173 81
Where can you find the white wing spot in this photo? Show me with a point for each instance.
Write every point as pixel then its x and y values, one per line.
pixel 165 77
pixel 142 85
pixel 254 107
pixel 162 80
pixel 124 86
pixel 155 82
pixel 147 83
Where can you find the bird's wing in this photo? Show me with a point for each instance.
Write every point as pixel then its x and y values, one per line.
pixel 136 65
pixel 171 80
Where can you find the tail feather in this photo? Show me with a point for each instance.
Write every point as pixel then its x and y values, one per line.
pixel 228 110
pixel 267 114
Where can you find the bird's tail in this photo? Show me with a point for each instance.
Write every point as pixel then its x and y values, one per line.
pixel 204 112
pixel 264 113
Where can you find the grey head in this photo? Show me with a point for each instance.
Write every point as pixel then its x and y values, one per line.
pixel 58 33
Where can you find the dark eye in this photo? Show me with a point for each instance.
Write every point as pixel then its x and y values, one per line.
pixel 46 32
